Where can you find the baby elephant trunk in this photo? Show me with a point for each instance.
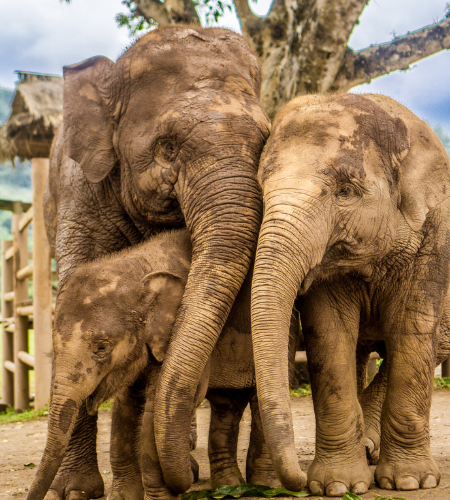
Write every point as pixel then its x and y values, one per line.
pixel 64 407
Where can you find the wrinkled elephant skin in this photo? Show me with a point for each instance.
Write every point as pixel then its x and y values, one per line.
pixel 357 222
pixel 113 321
pixel 168 136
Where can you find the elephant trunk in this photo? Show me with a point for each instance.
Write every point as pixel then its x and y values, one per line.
pixel 64 405
pixel 291 243
pixel 224 235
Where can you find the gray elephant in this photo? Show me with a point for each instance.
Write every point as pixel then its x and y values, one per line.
pixel 113 321
pixel 357 223
pixel 168 136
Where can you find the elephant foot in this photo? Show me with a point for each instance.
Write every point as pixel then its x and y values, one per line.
pixel 195 469
pixel 410 475
pixel 264 478
pixel 225 473
pixel 335 481
pixel 132 491
pixel 75 485
pixel 372 444
pixel 160 493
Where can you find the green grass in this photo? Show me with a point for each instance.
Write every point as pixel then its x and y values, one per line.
pixel 442 383
pixel 302 391
pixel 10 417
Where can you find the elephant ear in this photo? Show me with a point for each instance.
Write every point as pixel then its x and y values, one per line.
pixel 88 126
pixel 424 173
pixel 164 292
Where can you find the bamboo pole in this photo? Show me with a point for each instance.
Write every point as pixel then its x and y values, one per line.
pixel 21 384
pixel 7 338
pixel 42 287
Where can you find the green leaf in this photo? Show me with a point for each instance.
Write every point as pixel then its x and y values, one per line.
pixel 29 464
pixel 242 490
pixel 351 496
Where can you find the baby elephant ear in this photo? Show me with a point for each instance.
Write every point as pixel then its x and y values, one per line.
pixel 424 173
pixel 164 294
pixel 88 127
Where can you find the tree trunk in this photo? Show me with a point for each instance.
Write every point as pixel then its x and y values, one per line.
pixel 302 45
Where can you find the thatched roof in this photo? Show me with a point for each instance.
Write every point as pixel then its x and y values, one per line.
pixel 36 113
pixel 6 148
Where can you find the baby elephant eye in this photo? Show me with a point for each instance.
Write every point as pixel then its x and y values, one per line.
pixel 102 349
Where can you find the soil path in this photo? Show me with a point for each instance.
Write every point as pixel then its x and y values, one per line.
pixel 22 443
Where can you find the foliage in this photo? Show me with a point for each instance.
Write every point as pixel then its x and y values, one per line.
pixel 213 9
pixel 5 102
pixel 242 490
pixel 442 383
pixel 302 391
pixel 445 139
pixel 10 417
pixel 136 23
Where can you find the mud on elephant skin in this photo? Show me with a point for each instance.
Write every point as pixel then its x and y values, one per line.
pixel 113 322
pixel 357 218
pixel 168 136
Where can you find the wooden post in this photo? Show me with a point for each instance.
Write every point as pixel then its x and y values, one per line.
pixel 445 367
pixel 42 287
pixel 21 384
pixel 7 338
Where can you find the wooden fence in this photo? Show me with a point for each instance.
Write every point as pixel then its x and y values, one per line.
pixel 19 313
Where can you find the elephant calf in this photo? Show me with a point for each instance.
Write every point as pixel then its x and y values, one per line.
pixel 357 224
pixel 113 323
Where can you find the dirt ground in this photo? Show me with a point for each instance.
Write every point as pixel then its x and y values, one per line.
pixel 22 443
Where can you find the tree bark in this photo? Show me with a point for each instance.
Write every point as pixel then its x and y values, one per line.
pixel 302 45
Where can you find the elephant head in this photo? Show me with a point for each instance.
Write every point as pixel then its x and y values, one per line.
pixel 345 179
pixel 178 120
pixel 113 322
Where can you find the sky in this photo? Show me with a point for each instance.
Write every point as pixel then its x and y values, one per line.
pixel 45 35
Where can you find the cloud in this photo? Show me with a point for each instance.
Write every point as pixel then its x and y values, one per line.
pixel 46 35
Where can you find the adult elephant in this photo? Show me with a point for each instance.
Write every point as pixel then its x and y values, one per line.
pixel 357 222
pixel 169 135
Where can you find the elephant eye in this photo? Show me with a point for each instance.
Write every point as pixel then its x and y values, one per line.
pixel 166 149
pixel 102 349
pixel 345 192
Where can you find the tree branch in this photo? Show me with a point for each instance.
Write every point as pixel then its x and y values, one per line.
pixel 362 67
pixel 169 12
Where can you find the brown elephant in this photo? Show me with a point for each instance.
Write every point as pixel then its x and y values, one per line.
pixel 168 136
pixel 357 223
pixel 113 321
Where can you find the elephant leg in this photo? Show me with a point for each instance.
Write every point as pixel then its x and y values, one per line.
pixel 227 407
pixel 330 320
pixel 371 400
pixel 127 411
pixel 259 468
pixel 78 477
pixel 405 461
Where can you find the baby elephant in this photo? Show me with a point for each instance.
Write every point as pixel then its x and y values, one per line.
pixel 113 323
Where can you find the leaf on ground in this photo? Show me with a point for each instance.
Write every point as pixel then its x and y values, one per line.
pixel 242 490
pixel 29 464
pixel 351 496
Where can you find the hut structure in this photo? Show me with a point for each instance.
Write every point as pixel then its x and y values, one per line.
pixel 28 133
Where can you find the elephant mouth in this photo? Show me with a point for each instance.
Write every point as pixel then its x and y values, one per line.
pixel 94 401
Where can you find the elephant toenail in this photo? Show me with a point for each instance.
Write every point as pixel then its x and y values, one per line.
pixel 360 488
pixel 429 482
pixel 407 483
pixel 385 483
pixel 315 488
pixel 336 489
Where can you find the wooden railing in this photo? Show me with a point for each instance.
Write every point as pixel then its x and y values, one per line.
pixel 19 313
